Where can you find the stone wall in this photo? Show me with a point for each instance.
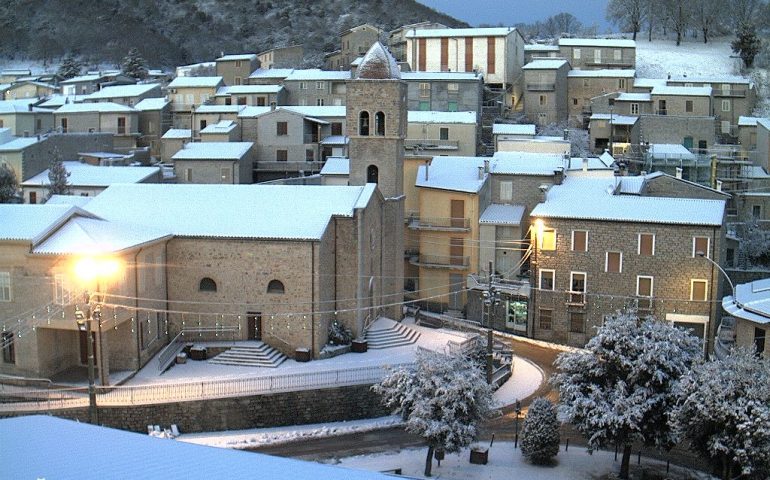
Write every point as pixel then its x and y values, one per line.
pixel 673 129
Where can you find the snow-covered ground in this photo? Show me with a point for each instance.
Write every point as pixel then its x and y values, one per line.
pixel 506 462
pixel 660 58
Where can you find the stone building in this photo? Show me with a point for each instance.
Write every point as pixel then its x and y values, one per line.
pixel 235 69
pixel 444 91
pixel 128 95
pixel 442 133
pixel 749 306
pixel 119 120
pixel 354 43
pixel 214 163
pixel 583 85
pixel 546 91
pixel 282 57
pixel 597 53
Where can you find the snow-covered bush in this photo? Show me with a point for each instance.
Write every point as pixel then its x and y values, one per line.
pixel 620 388
pixel 724 413
pixel 442 398
pixel 540 437
pixel 339 334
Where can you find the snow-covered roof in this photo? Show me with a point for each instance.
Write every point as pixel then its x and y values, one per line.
pixel 336 166
pixel 764 122
pixel 124 91
pixel 757 171
pixel 16 71
pixel 660 151
pixel 747 121
pixel 604 73
pixel 241 56
pixel 5 86
pixel 193 82
pixel 19 143
pixel 222 126
pixel 220 108
pixel 318 111
pixel 615 119
pixel 251 111
pixel 713 79
pixel 419 116
pixel 633 97
pixel 91 77
pixel 592 163
pixel 271 73
pixel 178 133
pixel 513 129
pixel 545 64
pixel 56 101
pixel 526 163
pixel 751 301
pixel 592 198
pixel 29 446
pixel 496 214
pixel 213 151
pixel 448 76
pixel 81 235
pixel 102 107
pixel 335 140
pixel 249 89
pixel 318 74
pixel 460 32
pixel 85 175
pixel 72 200
pixel 459 174
pixel 597 42
pixel 541 48
pixel 378 64
pixel 292 212
pixel 31 222
pixel 149 104
pixel 682 91
pixel 16 106
pixel 649 82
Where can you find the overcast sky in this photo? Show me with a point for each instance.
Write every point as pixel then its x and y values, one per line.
pixel 509 12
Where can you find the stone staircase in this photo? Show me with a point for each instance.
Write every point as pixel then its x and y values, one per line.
pixel 253 355
pixel 386 333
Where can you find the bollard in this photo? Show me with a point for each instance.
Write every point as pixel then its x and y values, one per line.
pixel 566 447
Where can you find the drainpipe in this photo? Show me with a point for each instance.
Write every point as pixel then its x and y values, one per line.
pixel 312 299
pixel 361 263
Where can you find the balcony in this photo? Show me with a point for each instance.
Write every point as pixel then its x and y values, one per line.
pixel 576 299
pixel 644 306
pixel 729 92
pixel 541 87
pixel 440 224
pixel 431 144
pixel 410 252
pixel 661 112
pixel 610 63
pixel 452 262
pixel 290 166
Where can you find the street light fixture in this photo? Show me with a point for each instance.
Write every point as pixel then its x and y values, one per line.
pixel 703 255
pixel 84 325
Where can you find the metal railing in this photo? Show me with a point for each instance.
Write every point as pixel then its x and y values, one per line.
pixel 442 223
pixel 728 92
pixel 169 353
pixel 444 261
pixel 576 298
pixel 430 144
pixel 541 87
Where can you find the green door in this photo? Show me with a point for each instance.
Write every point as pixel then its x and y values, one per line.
pixel 687 143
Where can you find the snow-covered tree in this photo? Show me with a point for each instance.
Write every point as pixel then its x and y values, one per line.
pixel 754 245
pixel 707 16
pixel 724 413
pixel 677 13
pixel 9 187
pixel 619 389
pixel 57 178
pixel 748 44
pixel 339 334
pixel 627 14
pixel 69 68
pixel 133 65
pixel 442 398
pixel 540 437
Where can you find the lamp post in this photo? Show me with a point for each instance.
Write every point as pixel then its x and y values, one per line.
pixel 491 299
pixel 84 325
pixel 732 287
pixel 518 412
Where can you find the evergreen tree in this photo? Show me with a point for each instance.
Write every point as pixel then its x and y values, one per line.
pixel 9 187
pixel 133 65
pixel 540 437
pixel 57 178
pixel 747 45
pixel 69 68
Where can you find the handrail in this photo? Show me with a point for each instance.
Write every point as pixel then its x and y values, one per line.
pixel 172 349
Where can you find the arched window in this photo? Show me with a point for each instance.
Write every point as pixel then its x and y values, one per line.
pixel 372 174
pixel 275 286
pixel 363 123
pixel 207 285
pixel 379 124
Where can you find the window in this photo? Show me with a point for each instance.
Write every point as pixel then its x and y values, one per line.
pixel 309 155
pixel 634 109
pixel 577 322
pixel 242 101
pixel 281 128
pixel 207 285
pixel 756 212
pixel 61 294
pixel 579 241
pixel 506 191
pixel 451 106
pixel 32 197
pixel 372 174
pixel 574 101
pixel 543 100
pixel 698 290
pixel 188 177
pixel 425 90
pixel 363 123
pixel 646 244
pixel 203 124
pixel 5 287
pixel 597 56
pixel 586 82
pixel 336 128
pixel 577 282
pixel 453 87
pixel 379 124
pixel 424 106
pixel 303 85
pixel 725 105
pixel 64 125
pixel 237 64
pixel 320 85
pixel 617 54
pixel 643 286
pixel 547 279
pixel 546 318
pixel 121 125
pixel 548 240
pixel 319 102
pixel 759 340
pixel 730 257
pixel 443 133
pixel 701 244
pixel 228 100
pixel 613 262
pixel 275 286
pixel 238 80
pixel 281 155
pixel 9 350
pixel 576 54
pixel 224 174
pixel 688 106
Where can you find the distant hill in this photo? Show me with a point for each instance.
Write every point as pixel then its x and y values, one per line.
pixel 176 32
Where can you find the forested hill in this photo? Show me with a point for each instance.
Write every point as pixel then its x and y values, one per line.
pixel 175 32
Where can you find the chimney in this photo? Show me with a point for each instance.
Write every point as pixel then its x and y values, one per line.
pixel 566 134
pixel 719 185
pixel 486 165
pixel 481 173
pixel 679 172
pixel 272 106
pixel 585 164
pixel 544 192
pixel 427 166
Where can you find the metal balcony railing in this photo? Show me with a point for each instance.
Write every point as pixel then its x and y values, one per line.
pixel 430 144
pixel 541 87
pixel 443 261
pixel 729 92
pixel 661 112
pixel 440 223
pixel 577 299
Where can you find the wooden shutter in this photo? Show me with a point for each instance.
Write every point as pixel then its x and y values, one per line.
pixel 444 54
pixel 469 54
pixel 490 55
pixel 421 55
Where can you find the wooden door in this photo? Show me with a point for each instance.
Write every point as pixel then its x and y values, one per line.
pixel 457 213
pixel 254 326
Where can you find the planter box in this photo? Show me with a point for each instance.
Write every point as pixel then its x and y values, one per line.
pixel 302 355
pixel 479 456
pixel 198 353
pixel 359 346
pixel 181 358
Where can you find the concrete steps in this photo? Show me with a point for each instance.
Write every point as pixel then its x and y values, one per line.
pixel 261 355
pixel 392 335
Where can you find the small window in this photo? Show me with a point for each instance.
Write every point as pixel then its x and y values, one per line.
pixel 453 87
pixel 730 257
pixel 574 101
pixel 756 212
pixel 242 101
pixel 701 244
pixel 203 124
pixel 613 262
pixel 281 155
pixel 643 286
pixel 121 125
pixel 372 174
pixel 451 106
pixel 303 85
pixel 275 286
pixel 688 106
pixel 443 133
pixel 634 109
pixel 506 191
pixel 547 279
pixel 424 106
pixel 336 128
pixel 617 54
pixel 725 105
pixel 576 53
pixel 319 102
pixel 224 174
pixel 577 281
pixel 363 123
pixel 646 244
pixel 5 287
pixel 320 85
pixel 699 290
pixel 238 80
pixel 548 240
pixel 64 125
pixel 546 318
pixel 579 241
pixel 61 294
pixel 379 124
pixel 425 90
pixel 577 322
pixel 9 349
pixel 281 128
pixel 543 100
pixel 207 285
pixel 309 155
